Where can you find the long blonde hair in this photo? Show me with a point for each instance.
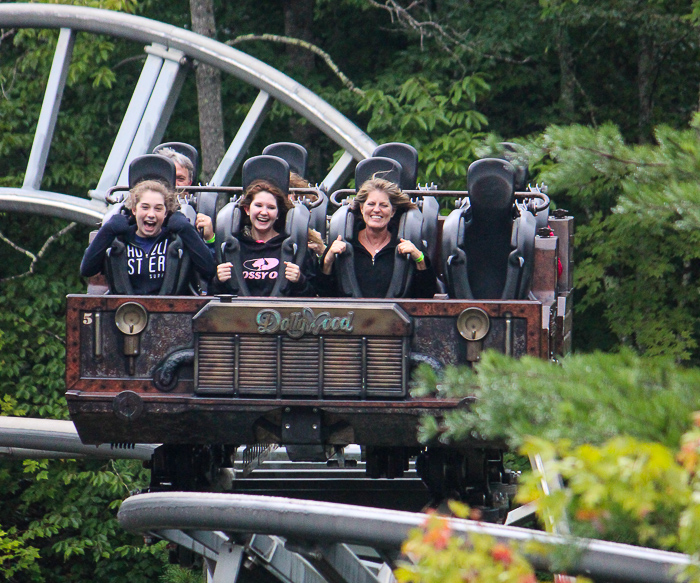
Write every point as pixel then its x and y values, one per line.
pixel 398 200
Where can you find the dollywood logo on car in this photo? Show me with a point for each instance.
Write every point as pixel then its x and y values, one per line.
pixel 304 322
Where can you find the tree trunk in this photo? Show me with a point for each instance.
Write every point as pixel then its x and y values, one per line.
pixel 298 23
pixel 645 83
pixel 211 119
pixel 567 84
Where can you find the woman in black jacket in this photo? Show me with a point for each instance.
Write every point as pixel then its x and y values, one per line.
pixel 266 207
pixel 377 205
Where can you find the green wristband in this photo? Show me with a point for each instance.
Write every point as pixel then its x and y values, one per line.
pixel 210 241
pixel 421 258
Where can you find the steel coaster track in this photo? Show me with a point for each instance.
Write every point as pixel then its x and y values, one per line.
pixel 310 541
pixel 170 51
pixel 301 541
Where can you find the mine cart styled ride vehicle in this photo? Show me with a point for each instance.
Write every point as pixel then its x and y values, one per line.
pixel 204 375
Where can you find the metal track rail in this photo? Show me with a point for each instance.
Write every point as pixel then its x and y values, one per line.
pixel 169 52
pixel 24 438
pixel 321 535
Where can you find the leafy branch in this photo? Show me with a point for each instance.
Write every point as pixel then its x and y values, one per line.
pixel 305 45
pixel 424 28
pixel 35 258
pixel 6 33
pixel 614 158
pixel 433 29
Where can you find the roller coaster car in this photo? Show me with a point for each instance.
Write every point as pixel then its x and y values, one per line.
pixel 213 373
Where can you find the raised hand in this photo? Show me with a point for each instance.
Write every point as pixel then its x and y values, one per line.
pixel 223 271
pixel 292 271
pixel 204 225
pixel 337 247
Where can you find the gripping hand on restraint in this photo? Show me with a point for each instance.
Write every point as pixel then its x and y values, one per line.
pixel 177 222
pixel 117 225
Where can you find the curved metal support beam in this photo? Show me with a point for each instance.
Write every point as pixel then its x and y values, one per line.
pixel 53 204
pixel 49 110
pixel 242 66
pixel 303 520
pixel 24 437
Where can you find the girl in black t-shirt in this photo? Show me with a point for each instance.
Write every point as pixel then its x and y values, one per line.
pixel 266 207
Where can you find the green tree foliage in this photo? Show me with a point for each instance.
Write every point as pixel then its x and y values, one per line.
pixel 586 398
pixel 58 517
pixel 90 110
pixel 612 427
pixel 624 490
pixel 636 242
pixel 440 122
pixel 66 509
pixel 436 75
pixel 438 556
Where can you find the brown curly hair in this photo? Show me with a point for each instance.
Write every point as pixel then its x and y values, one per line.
pixel 135 194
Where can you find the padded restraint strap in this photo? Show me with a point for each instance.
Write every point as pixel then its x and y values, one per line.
pixel 428 234
pixel 115 209
pixel 294 247
pixel 191 214
pixel 318 215
pixel 522 259
pixel 116 270
pixel 222 228
pixel 410 224
pixel 228 249
pixel 488 239
pixel 343 224
pixel 177 273
pixel 177 269
pixel 211 203
pixel 453 253
pixel 542 218
pixel 194 280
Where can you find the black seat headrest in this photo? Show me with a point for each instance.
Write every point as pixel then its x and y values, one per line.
pixel 377 167
pixel 319 213
pixel 152 167
pixel 407 156
pixel 184 149
pixel 294 154
pixel 271 168
pixel 491 185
